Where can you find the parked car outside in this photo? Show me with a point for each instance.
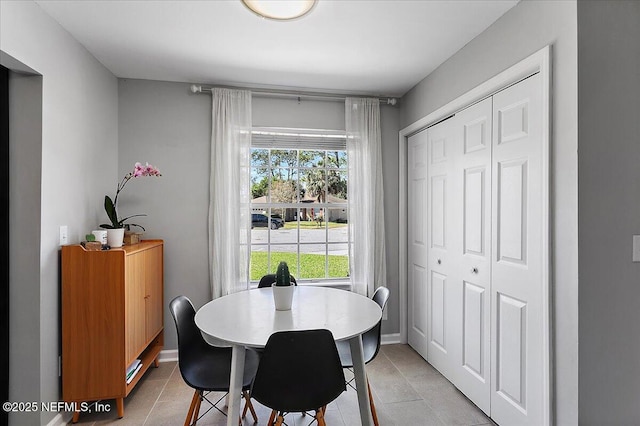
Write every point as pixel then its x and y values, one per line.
pixel 259 220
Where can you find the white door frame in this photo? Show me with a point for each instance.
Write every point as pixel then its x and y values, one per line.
pixel 539 62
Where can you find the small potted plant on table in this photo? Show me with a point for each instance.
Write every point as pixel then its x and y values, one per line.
pixel 282 288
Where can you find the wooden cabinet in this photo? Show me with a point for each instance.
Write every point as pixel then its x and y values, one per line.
pixel 112 304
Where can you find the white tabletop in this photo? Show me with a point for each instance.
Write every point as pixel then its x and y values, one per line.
pixel 248 318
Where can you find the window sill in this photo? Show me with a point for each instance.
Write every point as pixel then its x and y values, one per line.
pixel 342 285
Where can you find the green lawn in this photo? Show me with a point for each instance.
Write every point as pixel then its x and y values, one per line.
pixel 311 265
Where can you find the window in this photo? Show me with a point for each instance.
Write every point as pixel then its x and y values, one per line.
pixel 299 203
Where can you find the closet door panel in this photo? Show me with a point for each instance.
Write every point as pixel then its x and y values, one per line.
pixel 418 182
pixel 444 147
pixel 517 284
pixel 472 229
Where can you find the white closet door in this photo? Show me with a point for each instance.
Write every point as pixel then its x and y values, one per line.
pixel 517 284
pixel 472 255
pixel 442 150
pixel 417 238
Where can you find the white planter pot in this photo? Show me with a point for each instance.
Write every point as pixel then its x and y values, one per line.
pixel 115 237
pixel 283 296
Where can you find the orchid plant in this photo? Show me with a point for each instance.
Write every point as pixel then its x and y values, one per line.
pixel 110 205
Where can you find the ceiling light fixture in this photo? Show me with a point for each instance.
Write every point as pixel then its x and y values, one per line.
pixel 280 10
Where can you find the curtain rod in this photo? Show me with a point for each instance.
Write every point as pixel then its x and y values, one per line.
pixel 196 88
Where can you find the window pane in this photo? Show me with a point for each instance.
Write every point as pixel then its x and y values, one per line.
pixel 337 159
pixel 314 184
pixel 338 230
pixel 312 261
pixel 337 186
pixel 284 186
pixel 259 184
pixel 287 237
pixel 278 256
pixel 259 158
pixel 284 158
pixel 338 261
pixel 258 261
pixel 311 158
pixel 313 229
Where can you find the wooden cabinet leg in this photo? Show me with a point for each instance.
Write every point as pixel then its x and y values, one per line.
pixel 156 362
pixel 120 405
pixel 76 416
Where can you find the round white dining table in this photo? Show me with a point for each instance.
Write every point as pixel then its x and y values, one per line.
pixel 248 318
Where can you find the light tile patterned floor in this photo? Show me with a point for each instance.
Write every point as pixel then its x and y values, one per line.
pixel 406 389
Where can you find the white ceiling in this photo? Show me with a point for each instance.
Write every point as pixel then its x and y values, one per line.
pixel 345 46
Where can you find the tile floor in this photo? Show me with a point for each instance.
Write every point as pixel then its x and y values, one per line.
pixel 406 389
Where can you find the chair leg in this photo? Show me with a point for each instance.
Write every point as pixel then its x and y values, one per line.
pixel 320 417
pixel 246 405
pixel 372 405
pixel 280 419
pixel 194 401
pixel 272 418
pixel 249 405
pixel 196 412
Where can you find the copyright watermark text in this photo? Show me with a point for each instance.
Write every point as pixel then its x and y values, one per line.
pixel 55 407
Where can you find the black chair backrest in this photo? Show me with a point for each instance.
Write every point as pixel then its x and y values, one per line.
pixel 299 371
pixel 381 296
pixel 269 279
pixel 191 344
pixel 372 337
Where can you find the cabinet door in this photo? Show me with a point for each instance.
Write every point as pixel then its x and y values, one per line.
pixel 153 262
pixel 134 306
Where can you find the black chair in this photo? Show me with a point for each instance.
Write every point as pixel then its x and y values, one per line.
pixel 299 371
pixel 370 346
pixel 269 279
pixel 206 368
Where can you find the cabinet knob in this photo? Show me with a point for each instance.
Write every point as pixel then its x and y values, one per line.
pixel 474 270
pixel 439 261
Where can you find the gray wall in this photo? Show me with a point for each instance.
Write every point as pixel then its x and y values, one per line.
pixel 164 124
pixel 609 211
pixel 521 31
pixel 77 167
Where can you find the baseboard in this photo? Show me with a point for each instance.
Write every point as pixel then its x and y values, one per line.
pixel 168 355
pixel 60 419
pixel 390 339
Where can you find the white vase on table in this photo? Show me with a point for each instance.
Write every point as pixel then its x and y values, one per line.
pixel 283 296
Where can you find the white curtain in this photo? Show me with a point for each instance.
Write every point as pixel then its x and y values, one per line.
pixel 366 210
pixel 229 201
